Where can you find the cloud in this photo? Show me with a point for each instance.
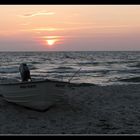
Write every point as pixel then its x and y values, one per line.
pixel 36 14
pixel 48 29
pixel 81 27
pixel 42 29
pixel 97 29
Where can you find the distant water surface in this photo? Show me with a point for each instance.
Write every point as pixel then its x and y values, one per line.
pixel 102 68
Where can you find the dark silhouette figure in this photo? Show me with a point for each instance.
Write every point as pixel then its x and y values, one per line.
pixel 24 72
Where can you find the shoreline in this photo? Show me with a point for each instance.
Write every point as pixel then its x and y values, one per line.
pixel 112 109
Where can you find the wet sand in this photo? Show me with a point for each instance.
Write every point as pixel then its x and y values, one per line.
pixel 84 110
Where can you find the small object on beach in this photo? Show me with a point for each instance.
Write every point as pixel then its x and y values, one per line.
pixel 24 72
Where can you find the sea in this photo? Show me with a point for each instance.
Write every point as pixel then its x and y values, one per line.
pixel 95 67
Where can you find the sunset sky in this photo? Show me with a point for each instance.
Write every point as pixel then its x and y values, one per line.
pixel 69 27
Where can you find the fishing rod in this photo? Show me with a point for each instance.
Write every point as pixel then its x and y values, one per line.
pixel 74 75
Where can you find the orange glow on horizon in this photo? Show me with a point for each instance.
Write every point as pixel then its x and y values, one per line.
pixel 51 40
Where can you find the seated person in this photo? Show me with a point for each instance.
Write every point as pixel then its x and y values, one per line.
pixel 24 72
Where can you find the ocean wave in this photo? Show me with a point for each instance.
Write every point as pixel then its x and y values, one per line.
pixel 31 67
pixel 64 68
pixel 134 71
pixel 8 69
pixel 64 72
pixel 103 63
pixel 34 62
pixel 14 69
pixel 83 72
pixel 132 79
pixel 137 64
pixel 120 62
pixel 88 63
pixel 68 56
pixel 94 71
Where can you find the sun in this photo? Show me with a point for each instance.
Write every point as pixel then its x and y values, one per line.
pixel 51 42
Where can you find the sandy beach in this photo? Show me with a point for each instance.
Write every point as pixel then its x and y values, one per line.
pixel 84 110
